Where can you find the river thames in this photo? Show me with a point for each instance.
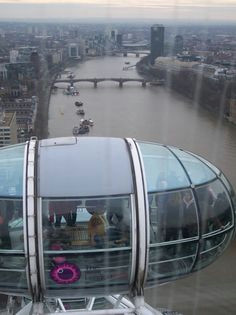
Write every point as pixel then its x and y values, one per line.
pixel 155 113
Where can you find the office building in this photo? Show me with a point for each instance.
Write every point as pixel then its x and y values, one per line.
pixel 73 50
pixel 157 42
pixel 178 44
pixel 8 129
pixel 119 40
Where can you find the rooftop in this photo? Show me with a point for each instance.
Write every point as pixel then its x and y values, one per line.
pixel 6 119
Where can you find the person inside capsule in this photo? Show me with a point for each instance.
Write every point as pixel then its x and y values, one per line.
pixel 189 227
pixel 5 241
pixel 119 223
pixel 97 225
pixel 66 209
pixel 214 206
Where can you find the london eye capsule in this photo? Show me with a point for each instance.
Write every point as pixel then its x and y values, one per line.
pixel 94 216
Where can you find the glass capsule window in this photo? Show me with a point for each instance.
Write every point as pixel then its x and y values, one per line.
pixel 198 171
pixel 163 171
pixel 215 208
pixel 190 211
pixel 228 186
pixel 173 216
pixel 170 261
pixel 173 234
pixel 88 244
pixel 209 164
pixel 212 247
pixel 12 255
pixel 90 236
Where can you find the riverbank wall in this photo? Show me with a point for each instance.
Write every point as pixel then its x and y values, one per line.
pixel 216 95
pixel 44 89
pixel 44 93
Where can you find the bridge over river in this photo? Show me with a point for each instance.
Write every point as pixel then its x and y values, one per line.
pixel 121 81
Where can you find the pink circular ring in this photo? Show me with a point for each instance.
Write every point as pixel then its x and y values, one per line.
pixel 65 273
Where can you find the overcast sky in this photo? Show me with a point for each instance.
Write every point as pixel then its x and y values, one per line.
pixel 175 10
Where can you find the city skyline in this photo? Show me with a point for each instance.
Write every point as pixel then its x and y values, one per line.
pixel 176 11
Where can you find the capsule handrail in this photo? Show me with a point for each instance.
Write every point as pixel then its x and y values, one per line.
pixel 86 251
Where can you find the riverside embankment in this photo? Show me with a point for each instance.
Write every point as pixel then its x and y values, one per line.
pixel 208 92
pixel 44 88
pixel 41 122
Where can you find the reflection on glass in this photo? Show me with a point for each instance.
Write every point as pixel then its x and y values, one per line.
pixel 198 172
pixel 170 261
pixel 87 242
pixel 211 248
pixel 173 216
pixel 163 171
pixel 97 223
pixel 227 185
pixel 213 167
pixel 11 224
pixel 93 269
pixel 215 208
pixel 13 280
pixel 11 170
pixel 13 262
pixel 12 266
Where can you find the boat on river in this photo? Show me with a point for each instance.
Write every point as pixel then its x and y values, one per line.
pixel 70 90
pixel 91 122
pixel 75 130
pixel 157 82
pixel 83 129
pixel 77 103
pixel 71 75
pixel 80 112
pixel 86 122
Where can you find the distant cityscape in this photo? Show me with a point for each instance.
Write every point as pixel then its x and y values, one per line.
pixel 33 55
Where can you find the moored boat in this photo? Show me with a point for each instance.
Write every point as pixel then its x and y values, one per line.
pixel 71 90
pixel 91 122
pixel 80 112
pixel 86 122
pixel 78 103
pixel 71 75
pixel 83 129
pixel 75 130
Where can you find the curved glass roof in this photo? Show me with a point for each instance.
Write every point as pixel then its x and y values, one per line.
pixel 212 167
pixel 163 170
pixel 198 171
pixel 191 213
pixel 170 168
pixel 84 167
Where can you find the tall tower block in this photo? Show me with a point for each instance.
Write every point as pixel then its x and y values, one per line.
pixel 157 41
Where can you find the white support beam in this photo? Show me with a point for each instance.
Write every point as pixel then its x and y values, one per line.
pixel 30 218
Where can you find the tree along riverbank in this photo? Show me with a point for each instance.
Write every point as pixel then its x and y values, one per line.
pixel 214 95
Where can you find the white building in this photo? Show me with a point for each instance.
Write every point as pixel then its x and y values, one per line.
pixel 8 129
pixel 57 57
pixel 14 54
pixel 22 54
